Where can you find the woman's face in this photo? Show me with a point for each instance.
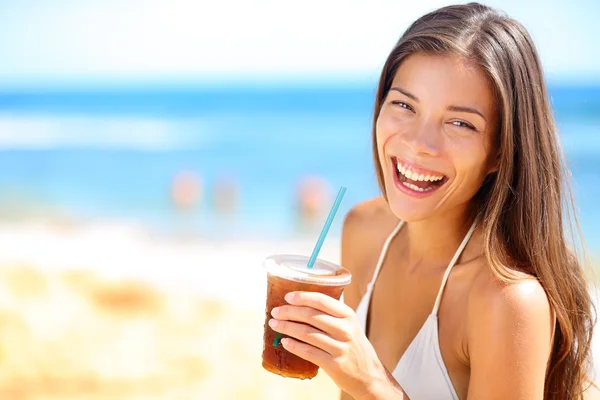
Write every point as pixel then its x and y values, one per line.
pixel 435 135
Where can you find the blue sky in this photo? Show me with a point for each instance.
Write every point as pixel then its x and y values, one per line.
pixel 77 41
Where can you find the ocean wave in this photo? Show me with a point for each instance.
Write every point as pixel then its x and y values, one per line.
pixel 131 133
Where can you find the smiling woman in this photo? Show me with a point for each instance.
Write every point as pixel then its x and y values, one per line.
pixel 438 120
pixel 463 283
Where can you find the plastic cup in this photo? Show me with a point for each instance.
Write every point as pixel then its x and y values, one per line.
pixel 289 273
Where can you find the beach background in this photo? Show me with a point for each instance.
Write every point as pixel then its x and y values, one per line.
pixel 152 154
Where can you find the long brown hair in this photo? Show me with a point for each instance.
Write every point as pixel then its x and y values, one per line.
pixel 522 203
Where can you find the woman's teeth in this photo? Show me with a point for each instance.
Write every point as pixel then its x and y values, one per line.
pixel 415 187
pixel 417 177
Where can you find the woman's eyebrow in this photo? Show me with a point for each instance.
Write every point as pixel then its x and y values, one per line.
pixel 467 110
pixel 450 108
pixel 406 93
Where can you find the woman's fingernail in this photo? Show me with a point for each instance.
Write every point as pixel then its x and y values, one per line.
pixel 289 297
pixel 273 323
pixel 275 311
pixel 285 341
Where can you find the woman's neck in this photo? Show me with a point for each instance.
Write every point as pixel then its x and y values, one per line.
pixel 435 240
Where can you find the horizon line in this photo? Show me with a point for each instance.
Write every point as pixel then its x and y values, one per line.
pixel 230 82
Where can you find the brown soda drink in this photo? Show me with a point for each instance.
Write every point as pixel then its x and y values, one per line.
pixel 288 273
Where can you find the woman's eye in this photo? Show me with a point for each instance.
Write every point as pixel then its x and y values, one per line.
pixel 463 124
pixel 402 104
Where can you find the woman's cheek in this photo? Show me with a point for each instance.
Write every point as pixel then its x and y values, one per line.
pixel 389 125
pixel 382 134
pixel 473 167
pixel 467 151
pixel 383 128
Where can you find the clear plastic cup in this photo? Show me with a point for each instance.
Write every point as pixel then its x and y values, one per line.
pixel 289 273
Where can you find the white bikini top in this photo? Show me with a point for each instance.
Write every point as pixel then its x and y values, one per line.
pixel 421 371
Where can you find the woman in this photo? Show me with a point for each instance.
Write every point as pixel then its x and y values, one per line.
pixel 463 284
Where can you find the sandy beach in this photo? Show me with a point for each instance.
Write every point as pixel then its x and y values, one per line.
pixel 109 311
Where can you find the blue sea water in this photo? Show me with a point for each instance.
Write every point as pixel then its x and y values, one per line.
pixel 113 153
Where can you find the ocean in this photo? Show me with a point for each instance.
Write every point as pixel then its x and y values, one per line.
pixel 113 153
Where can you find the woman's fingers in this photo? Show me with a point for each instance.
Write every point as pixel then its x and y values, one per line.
pixel 335 327
pixel 307 334
pixel 321 302
pixel 307 352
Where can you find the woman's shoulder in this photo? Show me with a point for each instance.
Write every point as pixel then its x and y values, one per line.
pixel 372 214
pixel 366 227
pixel 516 286
pixel 511 314
pixel 521 295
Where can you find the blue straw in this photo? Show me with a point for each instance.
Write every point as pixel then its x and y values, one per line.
pixel 334 208
pixel 324 231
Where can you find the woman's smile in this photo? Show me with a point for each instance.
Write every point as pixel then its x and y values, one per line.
pixel 414 180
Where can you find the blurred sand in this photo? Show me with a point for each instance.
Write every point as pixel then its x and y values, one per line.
pixel 112 312
pixel 107 313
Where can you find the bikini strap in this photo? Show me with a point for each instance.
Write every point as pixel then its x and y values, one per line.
pixel 449 268
pixel 383 254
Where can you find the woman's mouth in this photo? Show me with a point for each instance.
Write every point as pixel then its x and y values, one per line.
pixel 416 181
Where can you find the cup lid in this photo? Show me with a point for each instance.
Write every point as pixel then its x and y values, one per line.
pixel 294 268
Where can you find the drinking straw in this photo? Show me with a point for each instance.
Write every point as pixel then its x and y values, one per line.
pixel 324 231
pixel 330 217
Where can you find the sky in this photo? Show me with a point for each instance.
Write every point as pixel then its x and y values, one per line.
pixel 62 42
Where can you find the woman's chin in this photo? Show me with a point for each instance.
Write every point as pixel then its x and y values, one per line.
pixel 408 211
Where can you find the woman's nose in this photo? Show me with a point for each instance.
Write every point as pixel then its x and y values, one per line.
pixel 423 139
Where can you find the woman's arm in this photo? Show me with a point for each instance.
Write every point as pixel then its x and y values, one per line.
pixel 387 389
pixel 325 331
pixel 365 229
pixel 350 249
pixel 359 238
pixel 352 253
pixel 509 339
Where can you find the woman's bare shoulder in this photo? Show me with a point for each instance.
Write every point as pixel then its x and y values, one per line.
pixel 523 292
pixel 522 295
pixel 366 227
pixel 370 214
pixel 509 322
pixel 366 223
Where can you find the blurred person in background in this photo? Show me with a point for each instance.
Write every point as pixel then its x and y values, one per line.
pixel 313 194
pixel 464 286
pixel 186 195
pixel 225 195
pixel 186 191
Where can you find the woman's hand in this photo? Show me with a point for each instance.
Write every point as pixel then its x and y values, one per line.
pixel 334 341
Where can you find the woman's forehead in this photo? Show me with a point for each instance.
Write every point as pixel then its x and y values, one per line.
pixel 445 79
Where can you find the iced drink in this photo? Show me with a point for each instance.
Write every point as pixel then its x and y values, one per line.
pixel 288 273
